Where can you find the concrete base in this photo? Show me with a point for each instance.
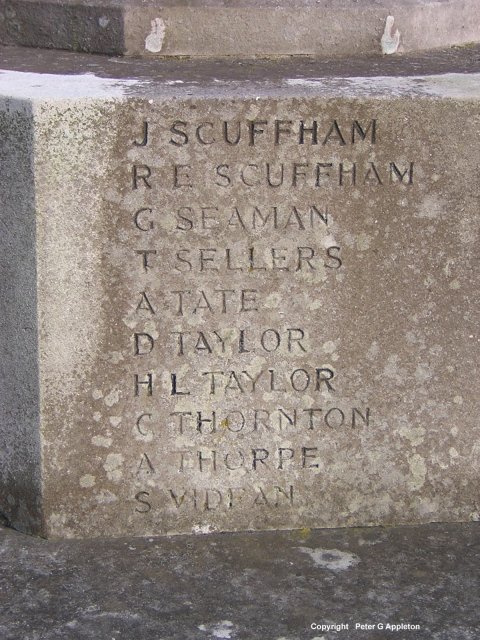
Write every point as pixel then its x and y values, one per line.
pixel 268 586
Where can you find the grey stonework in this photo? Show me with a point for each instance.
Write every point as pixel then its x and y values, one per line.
pixel 326 28
pixel 422 581
pixel 327 268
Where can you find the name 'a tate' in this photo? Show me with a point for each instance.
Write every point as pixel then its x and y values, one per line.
pixel 252 132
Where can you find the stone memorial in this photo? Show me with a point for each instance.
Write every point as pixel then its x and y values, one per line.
pixel 238 295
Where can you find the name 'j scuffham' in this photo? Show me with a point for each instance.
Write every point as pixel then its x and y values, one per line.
pixel 254 132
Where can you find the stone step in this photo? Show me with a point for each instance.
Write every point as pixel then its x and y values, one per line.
pixel 406 582
pixel 216 28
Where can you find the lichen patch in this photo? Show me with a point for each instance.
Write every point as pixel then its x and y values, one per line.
pixel 87 481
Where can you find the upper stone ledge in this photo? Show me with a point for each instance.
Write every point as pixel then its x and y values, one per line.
pixel 219 28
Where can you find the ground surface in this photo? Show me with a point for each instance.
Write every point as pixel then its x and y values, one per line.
pixel 248 586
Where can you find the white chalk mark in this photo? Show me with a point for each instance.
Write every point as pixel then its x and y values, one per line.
pixel 223 629
pixel 331 558
pixel 154 40
pixel 201 529
pixel 390 41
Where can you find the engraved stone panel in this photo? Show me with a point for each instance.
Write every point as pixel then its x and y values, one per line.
pixel 257 309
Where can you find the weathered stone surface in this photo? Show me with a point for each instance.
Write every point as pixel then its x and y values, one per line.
pixel 422 581
pixel 326 264
pixel 19 406
pixel 243 27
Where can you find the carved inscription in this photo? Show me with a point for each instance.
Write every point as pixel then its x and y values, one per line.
pixel 234 375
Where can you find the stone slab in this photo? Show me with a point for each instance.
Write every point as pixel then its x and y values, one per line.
pixel 240 28
pixel 270 585
pixel 203 335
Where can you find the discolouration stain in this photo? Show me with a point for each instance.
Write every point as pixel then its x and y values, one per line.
pixel 418 472
pixel 415 435
pixel 34 86
pixel 56 523
pixel 112 398
pixel 223 629
pixel 273 301
pixel 422 373
pixel 453 453
pixel 427 506
pixel 431 207
pixel 116 357
pixel 151 328
pixel 448 267
pixel 154 40
pixel 448 85
pixel 112 466
pixel 201 529
pixel 87 481
pixel 332 559
pixel 393 370
pixel 363 241
pixel 373 350
pixel 101 441
pixel 104 496
pixel 329 346
pixel 305 533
